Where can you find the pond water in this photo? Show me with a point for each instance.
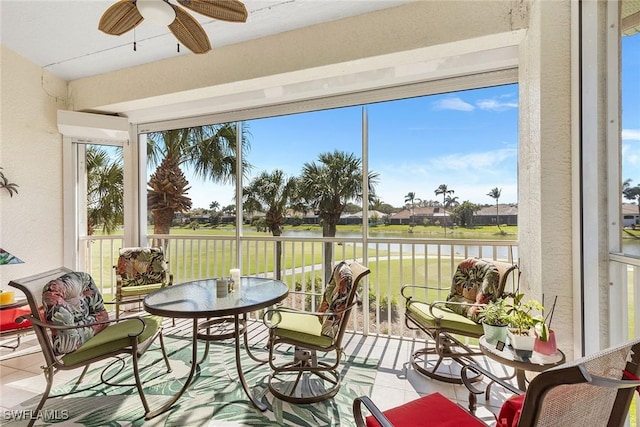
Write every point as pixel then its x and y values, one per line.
pixel 421 244
pixel 630 246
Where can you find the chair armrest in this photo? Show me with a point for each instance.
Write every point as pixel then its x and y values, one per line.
pixel 422 287
pixel 375 412
pixel 46 325
pixel 473 391
pixel 600 381
pixel 266 317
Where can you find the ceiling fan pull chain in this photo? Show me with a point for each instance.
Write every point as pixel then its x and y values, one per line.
pixel 134 40
pixel 178 47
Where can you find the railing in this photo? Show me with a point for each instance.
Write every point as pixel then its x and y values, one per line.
pixel 393 262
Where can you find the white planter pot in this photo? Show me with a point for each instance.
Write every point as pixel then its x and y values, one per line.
pixel 522 342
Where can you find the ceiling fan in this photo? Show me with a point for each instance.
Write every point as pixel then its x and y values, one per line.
pixel 126 14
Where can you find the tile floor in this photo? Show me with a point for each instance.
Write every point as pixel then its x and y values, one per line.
pixel 396 381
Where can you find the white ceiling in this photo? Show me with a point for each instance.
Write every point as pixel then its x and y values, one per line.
pixel 63 37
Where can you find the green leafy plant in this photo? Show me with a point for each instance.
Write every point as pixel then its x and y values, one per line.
pixel 495 313
pixel 11 187
pixel 523 317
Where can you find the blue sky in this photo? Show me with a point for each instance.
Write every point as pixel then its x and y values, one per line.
pixel 467 140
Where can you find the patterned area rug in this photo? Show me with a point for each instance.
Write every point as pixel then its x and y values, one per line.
pixel 214 398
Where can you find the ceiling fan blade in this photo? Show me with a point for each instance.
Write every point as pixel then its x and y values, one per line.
pixel 224 10
pixel 189 31
pixel 120 18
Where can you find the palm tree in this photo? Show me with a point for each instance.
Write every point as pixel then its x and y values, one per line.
pixel 444 190
pixel 464 213
pixel 631 193
pixel 450 202
pixel 210 151
pixel 105 189
pixel 495 194
pixel 327 186
pixel 272 193
pixel 411 198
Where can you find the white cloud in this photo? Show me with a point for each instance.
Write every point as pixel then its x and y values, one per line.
pixel 630 155
pixel 631 134
pixel 483 161
pixel 471 175
pixel 453 103
pixel 495 105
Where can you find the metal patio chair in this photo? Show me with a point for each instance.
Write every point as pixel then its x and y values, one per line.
pixel 307 379
pixel 595 390
pixel 74 330
pixel 445 322
pixel 140 271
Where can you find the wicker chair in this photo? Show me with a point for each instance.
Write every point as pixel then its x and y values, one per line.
pixel 595 390
pixel 74 330
pixel 307 379
pixel 140 271
pixel 444 321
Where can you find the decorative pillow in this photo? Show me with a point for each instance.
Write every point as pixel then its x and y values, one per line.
pixel 141 266
pixel 72 300
pixel 335 298
pixel 471 276
pixel 509 415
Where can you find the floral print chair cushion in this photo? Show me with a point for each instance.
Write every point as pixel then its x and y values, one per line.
pixel 141 266
pixel 471 276
pixel 72 300
pixel 335 298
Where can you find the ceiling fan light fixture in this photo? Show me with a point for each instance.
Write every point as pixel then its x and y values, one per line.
pixel 157 11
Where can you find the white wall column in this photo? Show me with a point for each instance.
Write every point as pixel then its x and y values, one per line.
pixel 545 164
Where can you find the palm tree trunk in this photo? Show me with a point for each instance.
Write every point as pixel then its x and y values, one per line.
pixel 329 228
pixel 162 219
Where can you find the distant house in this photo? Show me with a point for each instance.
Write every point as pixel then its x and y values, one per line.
pixel 487 215
pixel 630 215
pixel 356 218
pixel 418 215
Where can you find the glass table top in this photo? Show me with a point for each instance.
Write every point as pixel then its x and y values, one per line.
pixel 199 298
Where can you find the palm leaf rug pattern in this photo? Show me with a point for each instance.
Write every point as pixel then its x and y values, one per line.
pixel 214 398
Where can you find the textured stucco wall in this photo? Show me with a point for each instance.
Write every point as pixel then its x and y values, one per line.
pixel 31 156
pixel 544 201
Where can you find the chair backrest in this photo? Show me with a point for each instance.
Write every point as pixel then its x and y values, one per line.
pixel 476 274
pixel 73 300
pixel 578 393
pixel 339 295
pixel 141 266
pixel 32 287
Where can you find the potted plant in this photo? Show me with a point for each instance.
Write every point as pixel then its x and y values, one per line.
pixel 545 342
pixel 522 321
pixel 494 317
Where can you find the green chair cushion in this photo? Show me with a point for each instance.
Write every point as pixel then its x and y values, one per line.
pixel 304 328
pixel 130 291
pixel 454 322
pixel 113 338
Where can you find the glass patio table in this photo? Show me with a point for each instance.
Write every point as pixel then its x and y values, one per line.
pixel 198 300
pixel 521 362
